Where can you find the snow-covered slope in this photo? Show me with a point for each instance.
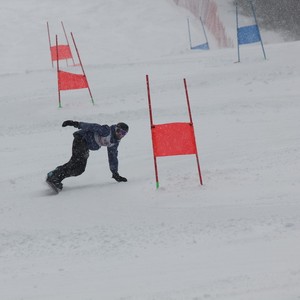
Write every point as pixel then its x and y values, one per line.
pixel 236 237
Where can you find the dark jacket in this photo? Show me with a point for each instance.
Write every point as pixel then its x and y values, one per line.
pixel 97 135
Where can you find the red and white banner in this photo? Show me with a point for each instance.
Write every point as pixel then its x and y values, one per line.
pixel 208 11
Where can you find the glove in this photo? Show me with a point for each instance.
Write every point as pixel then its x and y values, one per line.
pixel 70 123
pixel 118 178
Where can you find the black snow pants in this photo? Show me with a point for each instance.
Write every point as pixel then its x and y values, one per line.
pixel 77 163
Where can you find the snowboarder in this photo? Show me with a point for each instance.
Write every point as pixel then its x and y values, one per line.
pixel 90 136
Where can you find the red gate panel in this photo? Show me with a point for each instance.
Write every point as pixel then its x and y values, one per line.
pixel 173 139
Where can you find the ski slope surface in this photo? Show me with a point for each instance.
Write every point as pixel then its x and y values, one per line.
pixel 237 237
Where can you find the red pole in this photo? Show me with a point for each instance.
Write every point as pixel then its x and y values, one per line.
pixel 188 101
pixel 152 126
pixel 198 166
pixel 49 43
pixel 62 24
pixel 191 122
pixel 82 67
pixel 57 64
pixel 149 101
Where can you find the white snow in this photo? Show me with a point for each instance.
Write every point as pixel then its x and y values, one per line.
pixel 235 237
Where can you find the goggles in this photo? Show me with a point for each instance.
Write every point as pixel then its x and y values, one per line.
pixel 121 132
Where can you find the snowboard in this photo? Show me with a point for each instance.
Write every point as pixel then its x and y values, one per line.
pixel 53 187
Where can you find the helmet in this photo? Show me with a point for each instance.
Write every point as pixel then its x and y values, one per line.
pixel 123 126
pixel 121 130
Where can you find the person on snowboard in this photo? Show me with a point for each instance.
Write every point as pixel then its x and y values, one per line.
pixel 90 136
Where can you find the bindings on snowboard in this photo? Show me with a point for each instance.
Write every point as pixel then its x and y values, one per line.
pixel 54 182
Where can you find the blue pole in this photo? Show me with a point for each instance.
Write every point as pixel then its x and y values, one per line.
pixel 188 22
pixel 261 42
pixel 237 29
pixel 204 32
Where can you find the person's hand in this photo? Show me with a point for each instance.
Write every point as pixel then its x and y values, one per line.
pixel 118 178
pixel 70 123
